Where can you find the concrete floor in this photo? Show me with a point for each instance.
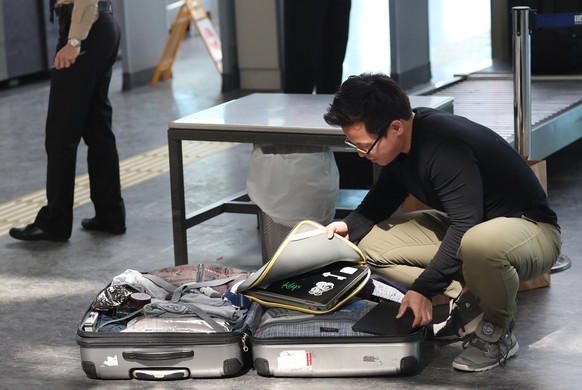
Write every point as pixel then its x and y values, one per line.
pixel 46 287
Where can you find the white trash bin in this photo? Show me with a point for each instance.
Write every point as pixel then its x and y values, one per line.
pixel 291 183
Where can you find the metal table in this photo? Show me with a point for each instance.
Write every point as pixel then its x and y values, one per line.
pixel 266 118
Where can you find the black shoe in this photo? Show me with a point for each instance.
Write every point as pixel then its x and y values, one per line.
pixel 94 224
pixel 34 233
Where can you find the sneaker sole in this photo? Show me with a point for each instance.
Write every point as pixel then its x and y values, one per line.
pixel 464 367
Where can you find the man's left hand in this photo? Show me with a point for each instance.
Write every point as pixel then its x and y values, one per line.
pixel 420 305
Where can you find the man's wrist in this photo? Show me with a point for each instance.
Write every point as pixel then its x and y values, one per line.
pixel 422 292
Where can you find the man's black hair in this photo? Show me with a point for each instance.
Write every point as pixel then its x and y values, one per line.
pixel 370 98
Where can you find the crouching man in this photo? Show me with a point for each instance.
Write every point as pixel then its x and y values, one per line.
pixel 490 226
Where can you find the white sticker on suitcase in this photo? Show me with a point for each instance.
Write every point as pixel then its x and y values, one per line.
pixel 111 361
pixel 295 361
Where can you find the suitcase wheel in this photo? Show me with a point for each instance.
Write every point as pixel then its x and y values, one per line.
pixel 231 366
pixel 90 370
pixel 262 367
pixel 408 365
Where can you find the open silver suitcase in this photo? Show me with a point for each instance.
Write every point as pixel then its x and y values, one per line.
pixel 290 343
pixel 176 352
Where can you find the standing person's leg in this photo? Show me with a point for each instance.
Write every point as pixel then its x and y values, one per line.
pixel 67 112
pixel 102 155
pixel 401 247
pixel 333 47
pixel 303 25
pixel 62 139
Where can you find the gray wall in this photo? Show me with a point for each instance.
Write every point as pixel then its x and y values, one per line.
pixel 144 35
pixel 23 51
pixel 3 64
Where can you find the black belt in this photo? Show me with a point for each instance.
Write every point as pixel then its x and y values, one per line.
pixel 104 6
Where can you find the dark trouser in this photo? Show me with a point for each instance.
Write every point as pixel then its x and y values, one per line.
pixel 316 36
pixel 78 108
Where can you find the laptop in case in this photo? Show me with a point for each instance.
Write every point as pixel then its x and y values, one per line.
pixel 317 290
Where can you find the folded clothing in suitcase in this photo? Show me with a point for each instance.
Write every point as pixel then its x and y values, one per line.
pixel 363 338
pixel 195 329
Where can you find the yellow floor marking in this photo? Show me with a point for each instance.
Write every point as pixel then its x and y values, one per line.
pixel 134 170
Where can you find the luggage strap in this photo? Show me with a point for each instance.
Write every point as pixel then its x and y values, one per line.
pixel 178 291
pixel 205 316
pixel 209 283
pixel 169 287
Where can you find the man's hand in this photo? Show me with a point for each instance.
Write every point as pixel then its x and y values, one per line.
pixel 66 56
pixel 420 305
pixel 340 228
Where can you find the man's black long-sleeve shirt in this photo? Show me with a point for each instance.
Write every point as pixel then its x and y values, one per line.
pixel 463 169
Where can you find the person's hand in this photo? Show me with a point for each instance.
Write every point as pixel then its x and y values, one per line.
pixel 420 305
pixel 339 228
pixel 66 56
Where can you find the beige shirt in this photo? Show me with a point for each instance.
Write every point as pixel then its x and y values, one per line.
pixel 85 13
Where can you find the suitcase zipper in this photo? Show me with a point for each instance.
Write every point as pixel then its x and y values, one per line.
pixel 326 339
pixel 244 337
pixel 290 320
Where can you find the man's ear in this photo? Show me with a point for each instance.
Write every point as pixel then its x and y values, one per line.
pixel 397 126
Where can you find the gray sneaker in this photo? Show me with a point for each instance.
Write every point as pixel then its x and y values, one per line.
pixel 463 319
pixel 490 347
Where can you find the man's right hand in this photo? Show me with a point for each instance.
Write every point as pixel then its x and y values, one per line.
pixel 339 228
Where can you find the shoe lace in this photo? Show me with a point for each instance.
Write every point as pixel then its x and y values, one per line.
pixel 503 352
pixel 475 341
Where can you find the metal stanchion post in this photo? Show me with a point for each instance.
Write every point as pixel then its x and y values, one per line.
pixel 522 95
pixel 522 81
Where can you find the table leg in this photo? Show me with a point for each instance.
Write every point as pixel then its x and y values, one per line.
pixel 177 195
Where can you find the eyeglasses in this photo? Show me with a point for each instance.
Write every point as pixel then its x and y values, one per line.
pixel 363 151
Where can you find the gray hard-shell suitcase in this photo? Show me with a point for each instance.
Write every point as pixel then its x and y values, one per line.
pixel 170 354
pixel 289 343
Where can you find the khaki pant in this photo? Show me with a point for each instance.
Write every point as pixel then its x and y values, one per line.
pixel 496 255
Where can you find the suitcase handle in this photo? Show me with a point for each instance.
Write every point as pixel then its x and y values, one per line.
pixel 156 374
pixel 151 356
